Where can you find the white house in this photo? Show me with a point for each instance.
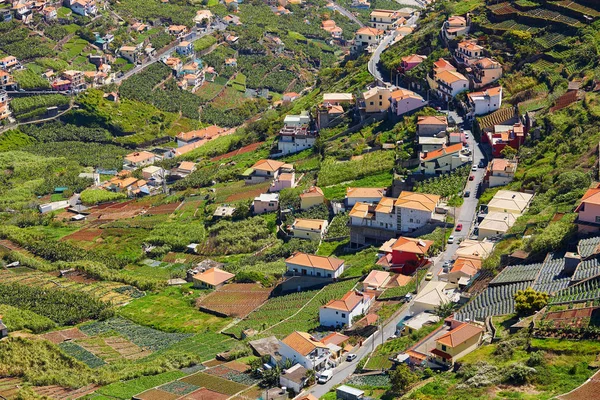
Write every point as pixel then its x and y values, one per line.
pixel 414 210
pixel 495 224
pixel 264 170
pixel 443 160
pixel 301 348
pixel 455 26
pixel 404 101
pixel 313 229
pixel 431 296
pixel 312 265
pixel 501 172
pixel 386 20
pixel 486 101
pixel 366 37
pixel 139 159
pixel 294 378
pixel 84 7
pixel 296 134
pixel 340 313
pixel 451 83
pixel 468 52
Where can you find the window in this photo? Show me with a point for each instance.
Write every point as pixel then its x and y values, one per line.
pixel 410 220
pixel 598 220
pixel 336 313
pixel 444 348
pixel 343 315
pixel 371 103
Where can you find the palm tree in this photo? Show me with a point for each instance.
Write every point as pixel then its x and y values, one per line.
pixel 444 310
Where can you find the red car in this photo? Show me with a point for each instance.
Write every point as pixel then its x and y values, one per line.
pixel 458 228
pixel 471 177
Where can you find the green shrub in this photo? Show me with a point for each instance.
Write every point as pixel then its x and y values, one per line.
pixel 95 196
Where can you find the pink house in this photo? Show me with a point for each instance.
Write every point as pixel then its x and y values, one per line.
pixel 409 62
pixel 266 202
pixel 285 180
pixel 588 219
pixel 404 101
pixel 61 85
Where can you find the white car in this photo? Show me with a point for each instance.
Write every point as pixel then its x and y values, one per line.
pixel 451 239
pixel 351 357
pixel 474 168
pixel 325 376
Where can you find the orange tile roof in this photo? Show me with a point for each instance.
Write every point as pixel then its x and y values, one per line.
pixel 451 76
pixel 268 165
pixel 467 45
pixel 441 63
pixel 386 205
pixel 328 23
pixel 360 192
pixel 417 201
pixel 487 63
pixel 500 164
pixel 186 165
pixel 214 276
pixel 335 338
pixel 302 342
pixel 457 20
pixel 314 261
pixel 377 278
pixel 360 210
pixel 348 302
pixel 209 132
pixel 442 152
pixel 403 94
pixel 413 58
pixel 306 223
pixel 459 335
pixel 432 120
pixel 488 92
pixel 467 265
pixel 409 245
pixel 402 280
pixel 592 196
pixel 139 156
pixel 314 191
pixel 369 31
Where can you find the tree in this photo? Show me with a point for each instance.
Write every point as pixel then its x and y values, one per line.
pixel 401 378
pixel 529 301
pixel 444 310
pixel 508 152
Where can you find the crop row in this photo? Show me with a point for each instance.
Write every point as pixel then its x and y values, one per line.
pixel 586 290
pixel 496 300
pixel 517 273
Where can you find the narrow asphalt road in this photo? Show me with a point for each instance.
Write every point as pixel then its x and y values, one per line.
pixel 170 50
pixel 373 65
pixel 348 14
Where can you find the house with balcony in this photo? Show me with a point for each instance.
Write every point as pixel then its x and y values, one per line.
pixel 588 211
pixel 130 53
pixel 484 102
pixel 451 83
pixel 179 31
pixel 468 53
pixel 500 172
pixel 403 101
pixel 376 100
pixel 49 14
pixel 9 62
pixel 203 18
pixel 504 135
pixel 204 134
pixel 61 85
pixel 312 229
pixel 84 7
pixel 456 26
pixel 185 48
pixel 443 160
pixel 484 72
pixel 4 109
pixel 366 38
pixel 341 313
pixel 298 133
pixel 6 80
pixel 460 340
pixel 386 20
pixel 385 220
pixel 330 26
pixel 139 159
pixel 77 79
pixel 404 255
pixel 265 170
pixel 409 62
pixel 304 264
pixel 302 348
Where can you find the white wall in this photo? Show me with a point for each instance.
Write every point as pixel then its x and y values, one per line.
pixel 332 317
pixel 310 271
pixel 419 218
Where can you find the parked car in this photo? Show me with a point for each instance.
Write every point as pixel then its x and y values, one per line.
pixel 458 227
pixel 325 376
pixel 429 276
pixel 351 357
pixel 474 168
pixel 450 239
pixel 468 193
pixel 481 164
pixel 471 177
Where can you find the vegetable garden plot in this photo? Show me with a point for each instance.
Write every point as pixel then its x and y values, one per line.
pixel 81 354
pixel 164 209
pixel 85 235
pixel 146 338
pixel 179 388
pixel 205 394
pixel 235 300
pixel 66 334
pixel 9 387
pixel 215 383
pixel 156 394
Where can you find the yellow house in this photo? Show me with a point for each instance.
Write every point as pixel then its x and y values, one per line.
pixel 462 339
pixel 376 99
pixel 312 197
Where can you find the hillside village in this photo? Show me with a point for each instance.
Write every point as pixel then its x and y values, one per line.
pixel 299 200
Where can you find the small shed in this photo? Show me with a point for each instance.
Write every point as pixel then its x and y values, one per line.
pixel 349 393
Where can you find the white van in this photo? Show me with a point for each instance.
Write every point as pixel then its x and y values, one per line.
pixel 325 376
